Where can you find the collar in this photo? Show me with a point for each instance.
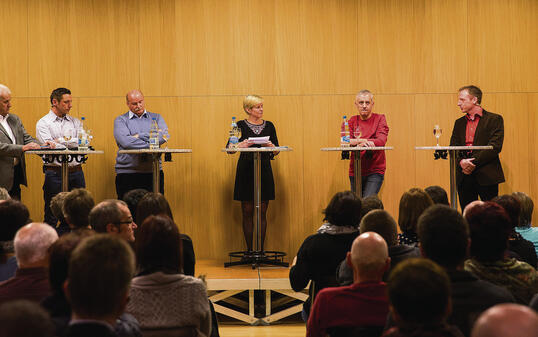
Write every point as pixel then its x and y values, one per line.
pixel 472 116
pixel 90 321
pixel 51 117
pixel 4 118
pixel 133 115
pixel 31 271
pixel 328 228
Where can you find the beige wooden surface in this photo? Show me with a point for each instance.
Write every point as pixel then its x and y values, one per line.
pixel 195 60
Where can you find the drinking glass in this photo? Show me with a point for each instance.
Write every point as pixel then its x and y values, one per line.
pixel 437 131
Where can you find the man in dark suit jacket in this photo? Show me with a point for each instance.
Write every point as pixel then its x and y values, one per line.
pixel 480 173
pixel 14 141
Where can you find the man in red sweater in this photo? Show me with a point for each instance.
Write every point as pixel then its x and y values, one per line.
pixel 368 129
pixel 362 304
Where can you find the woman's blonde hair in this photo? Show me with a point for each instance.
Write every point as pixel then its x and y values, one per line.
pixel 250 101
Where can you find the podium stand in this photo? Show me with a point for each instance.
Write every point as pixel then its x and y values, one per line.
pixel 441 152
pixel 155 156
pixel 64 157
pixel 357 160
pixel 258 256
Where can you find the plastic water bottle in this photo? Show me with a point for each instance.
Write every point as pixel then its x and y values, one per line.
pixel 82 135
pixel 235 134
pixel 154 135
pixel 344 133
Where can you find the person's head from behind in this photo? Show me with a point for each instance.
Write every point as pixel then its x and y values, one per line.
pixel 490 228
pixel 23 318
pixel 32 243
pixel 344 209
pixel 57 205
pixel 527 207
pixel 370 203
pixel 14 215
pixel 369 257
pixel 419 293
pixel 100 271
pixel 511 207
pixel 444 236
pixel 76 208
pixel 412 204
pixel 382 223
pixel 132 198
pixel 507 319
pixel 152 204
pixel 113 216
pixel 438 195
pixel 59 254
pixel 158 246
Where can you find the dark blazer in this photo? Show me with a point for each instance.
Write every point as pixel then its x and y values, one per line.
pixel 89 329
pixel 8 151
pixel 490 131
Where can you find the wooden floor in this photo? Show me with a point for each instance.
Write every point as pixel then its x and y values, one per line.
pixel 282 330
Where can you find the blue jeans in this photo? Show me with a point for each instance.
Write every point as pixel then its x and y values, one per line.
pixel 371 184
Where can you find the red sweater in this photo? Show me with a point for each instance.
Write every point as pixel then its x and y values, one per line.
pixel 376 130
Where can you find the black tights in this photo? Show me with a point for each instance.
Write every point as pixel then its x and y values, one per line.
pixel 247 208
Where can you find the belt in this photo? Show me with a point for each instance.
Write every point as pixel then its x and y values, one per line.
pixel 59 168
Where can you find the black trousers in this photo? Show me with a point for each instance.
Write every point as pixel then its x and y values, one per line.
pixel 15 191
pixel 469 190
pixel 126 182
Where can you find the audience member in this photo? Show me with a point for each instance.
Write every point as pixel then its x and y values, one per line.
pixel 14 215
pixel 56 208
pixel 113 216
pixel 132 198
pixel 419 296
pixel 155 204
pixel 161 296
pixel 412 204
pixel 23 318
pixel 370 203
pixel 360 305
pixel 505 320
pixel 4 194
pixel 519 248
pixel 490 229
pixel 31 250
pixel 525 219
pixel 438 195
pixel 444 238
pixel 380 222
pixel 321 253
pixel 100 271
pixel 76 208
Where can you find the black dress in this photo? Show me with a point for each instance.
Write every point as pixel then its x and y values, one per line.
pixel 244 176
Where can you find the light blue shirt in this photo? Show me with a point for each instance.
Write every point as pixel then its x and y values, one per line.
pixel 126 127
pixel 531 234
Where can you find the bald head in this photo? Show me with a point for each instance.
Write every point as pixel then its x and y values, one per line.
pixel 135 102
pixel 507 320
pixel 32 243
pixel 369 257
pixel 471 205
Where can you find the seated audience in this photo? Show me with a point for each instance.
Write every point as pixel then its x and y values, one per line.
pixel 505 320
pixel 525 219
pixel 161 297
pixel 23 318
pixel 490 229
pixel 14 215
pixel 438 195
pixel 113 216
pixel 419 297
pixel 370 203
pixel 380 222
pixel 321 253
pixel 132 198
pixel 412 204
pixel 519 248
pixel 76 208
pixel 155 204
pixel 31 281
pixel 363 304
pixel 56 207
pixel 444 238
pixel 97 287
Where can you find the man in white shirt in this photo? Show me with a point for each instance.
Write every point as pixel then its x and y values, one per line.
pixel 61 129
pixel 14 141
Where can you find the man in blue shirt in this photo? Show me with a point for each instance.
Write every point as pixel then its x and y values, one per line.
pixel 131 131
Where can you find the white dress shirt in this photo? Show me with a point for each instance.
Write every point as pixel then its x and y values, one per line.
pixel 53 128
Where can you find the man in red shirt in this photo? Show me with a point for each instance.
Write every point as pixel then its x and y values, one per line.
pixel 368 129
pixel 480 172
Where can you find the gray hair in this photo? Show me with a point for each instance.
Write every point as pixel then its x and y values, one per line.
pixel 32 242
pixel 365 92
pixel 104 213
pixel 4 194
pixel 4 90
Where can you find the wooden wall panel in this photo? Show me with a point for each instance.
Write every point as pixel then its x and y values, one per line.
pixel 532 189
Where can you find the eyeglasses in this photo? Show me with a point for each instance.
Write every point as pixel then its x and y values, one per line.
pixel 126 222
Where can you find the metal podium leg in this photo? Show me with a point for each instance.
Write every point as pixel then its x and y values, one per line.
pixel 453 190
pixel 65 176
pixel 156 173
pixel 358 174
pixel 257 198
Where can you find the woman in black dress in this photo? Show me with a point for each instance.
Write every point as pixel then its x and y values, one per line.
pixel 254 126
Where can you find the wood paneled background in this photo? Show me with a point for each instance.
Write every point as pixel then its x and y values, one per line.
pixel 196 59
